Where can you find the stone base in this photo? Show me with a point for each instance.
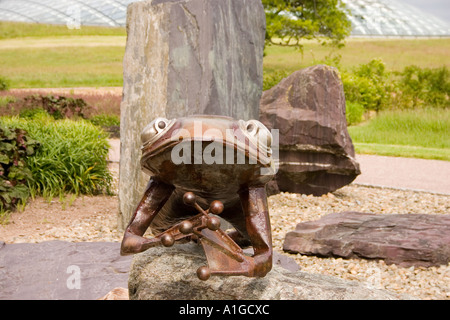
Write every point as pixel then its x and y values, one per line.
pixel 170 274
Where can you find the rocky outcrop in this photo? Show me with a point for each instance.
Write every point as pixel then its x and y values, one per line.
pixel 316 153
pixel 183 58
pixel 404 240
pixel 170 274
pixel 59 270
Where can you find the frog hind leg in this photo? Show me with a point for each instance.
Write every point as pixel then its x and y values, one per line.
pixel 250 218
pixel 257 222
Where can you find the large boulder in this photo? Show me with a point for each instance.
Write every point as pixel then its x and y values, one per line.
pixel 316 153
pixel 186 57
pixel 404 240
pixel 170 274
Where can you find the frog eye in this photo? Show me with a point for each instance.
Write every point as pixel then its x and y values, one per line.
pixel 257 129
pixel 161 125
pixel 153 128
pixel 260 132
pixel 252 128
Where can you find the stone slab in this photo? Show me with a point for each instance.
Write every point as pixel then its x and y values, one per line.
pixel 404 240
pixel 49 270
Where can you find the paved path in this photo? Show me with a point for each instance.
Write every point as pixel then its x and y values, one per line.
pixel 393 172
pixel 405 173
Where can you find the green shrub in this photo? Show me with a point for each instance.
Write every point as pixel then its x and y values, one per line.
pixel 58 107
pixel 273 78
pixel 105 120
pixel 4 84
pixel 33 113
pixel 109 123
pixel 369 85
pixel 72 157
pixel 423 87
pixel 353 112
pixel 15 147
pixel 6 100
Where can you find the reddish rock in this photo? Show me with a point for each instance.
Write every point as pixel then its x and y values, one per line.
pixel 316 152
pixel 405 240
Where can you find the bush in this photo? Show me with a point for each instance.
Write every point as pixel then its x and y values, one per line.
pixel 15 147
pixel 105 120
pixel 369 85
pixel 58 107
pixel 273 78
pixel 6 100
pixel 33 113
pixel 72 157
pixel 423 87
pixel 4 84
pixel 353 113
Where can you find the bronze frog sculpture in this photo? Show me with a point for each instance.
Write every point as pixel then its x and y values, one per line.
pixel 211 162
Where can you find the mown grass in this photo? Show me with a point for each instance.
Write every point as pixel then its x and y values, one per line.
pixel 395 53
pixel 422 133
pixel 92 62
pixel 53 67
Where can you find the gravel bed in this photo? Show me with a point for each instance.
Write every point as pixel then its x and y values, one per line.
pixel 287 210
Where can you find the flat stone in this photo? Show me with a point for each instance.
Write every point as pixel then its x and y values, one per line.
pixel 404 240
pixel 186 57
pixel 170 274
pixel 52 270
pixel 316 153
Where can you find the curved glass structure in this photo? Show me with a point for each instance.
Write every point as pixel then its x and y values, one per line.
pixel 393 18
pixel 369 17
pixel 71 12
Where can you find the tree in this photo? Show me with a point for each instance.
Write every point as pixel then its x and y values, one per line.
pixel 290 21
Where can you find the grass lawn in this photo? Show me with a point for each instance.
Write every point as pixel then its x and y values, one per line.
pixel 50 56
pixel 10 30
pixel 63 66
pixel 408 133
pixel 395 53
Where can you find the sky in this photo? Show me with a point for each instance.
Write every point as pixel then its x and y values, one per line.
pixel 439 8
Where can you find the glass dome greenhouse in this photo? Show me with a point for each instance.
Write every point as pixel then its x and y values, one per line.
pixel 393 18
pixel 382 18
pixel 70 12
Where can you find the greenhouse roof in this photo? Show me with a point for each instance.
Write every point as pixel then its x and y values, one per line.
pixel 393 18
pixel 71 12
pixel 369 17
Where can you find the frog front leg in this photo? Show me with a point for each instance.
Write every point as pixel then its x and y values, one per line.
pixel 155 196
pixel 256 213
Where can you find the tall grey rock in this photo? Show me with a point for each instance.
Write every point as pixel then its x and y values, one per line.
pixel 186 57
